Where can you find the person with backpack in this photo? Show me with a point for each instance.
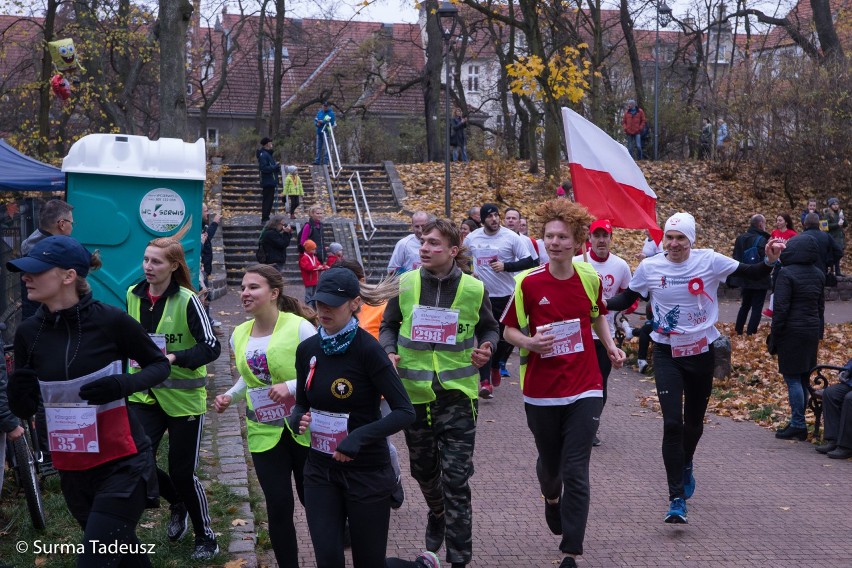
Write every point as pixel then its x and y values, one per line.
pixel 273 242
pixel 748 249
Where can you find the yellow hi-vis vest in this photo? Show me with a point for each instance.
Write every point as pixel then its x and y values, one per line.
pixel 591 284
pixel 420 361
pixel 281 359
pixel 184 392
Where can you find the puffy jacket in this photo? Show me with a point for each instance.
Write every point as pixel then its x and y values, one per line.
pixel 275 244
pixel 633 122
pixel 799 306
pixel 827 248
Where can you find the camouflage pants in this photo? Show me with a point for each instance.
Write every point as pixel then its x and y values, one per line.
pixel 440 447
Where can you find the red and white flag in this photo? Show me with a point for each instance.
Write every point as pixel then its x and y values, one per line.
pixel 606 179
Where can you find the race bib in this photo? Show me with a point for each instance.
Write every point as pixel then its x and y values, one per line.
pixel 159 340
pixel 72 428
pixel 688 344
pixel 484 256
pixel 434 325
pixel 567 337
pixel 328 429
pixel 266 409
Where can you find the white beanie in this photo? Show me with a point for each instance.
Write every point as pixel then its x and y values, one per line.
pixel 683 222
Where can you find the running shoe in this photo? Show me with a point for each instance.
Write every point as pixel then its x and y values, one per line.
pixel 568 562
pixel 504 372
pixel 178 522
pixel 435 529
pixel 688 481
pixel 553 516
pixel 677 512
pixel 628 331
pixel 767 312
pixel 486 390
pixel 427 559
pixel 496 377
pixel 205 549
pixel 643 364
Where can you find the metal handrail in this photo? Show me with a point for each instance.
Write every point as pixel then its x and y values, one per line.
pixel 329 129
pixel 357 177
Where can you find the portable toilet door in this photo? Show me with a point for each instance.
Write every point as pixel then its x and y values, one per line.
pixel 127 191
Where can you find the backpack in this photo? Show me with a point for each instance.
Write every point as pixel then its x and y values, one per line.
pixel 260 254
pixel 751 255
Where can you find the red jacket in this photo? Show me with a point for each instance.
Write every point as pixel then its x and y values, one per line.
pixel 633 123
pixel 310 267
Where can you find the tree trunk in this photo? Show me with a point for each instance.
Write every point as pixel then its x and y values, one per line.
pixel 633 54
pixel 552 151
pixel 175 16
pixel 44 86
pixel 432 82
pixel 277 44
pixel 259 123
pixel 831 47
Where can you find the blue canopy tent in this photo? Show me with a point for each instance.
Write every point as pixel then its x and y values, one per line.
pixel 22 173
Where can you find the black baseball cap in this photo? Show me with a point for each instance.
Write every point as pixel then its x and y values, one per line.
pixel 335 286
pixel 56 251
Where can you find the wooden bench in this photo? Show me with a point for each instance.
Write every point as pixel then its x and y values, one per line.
pixel 821 377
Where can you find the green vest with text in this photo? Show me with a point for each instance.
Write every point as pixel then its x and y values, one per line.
pixel 281 360
pixel 591 284
pixel 420 362
pixel 184 392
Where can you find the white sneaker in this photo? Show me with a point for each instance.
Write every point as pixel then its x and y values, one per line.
pixel 643 364
pixel 215 323
pixel 628 331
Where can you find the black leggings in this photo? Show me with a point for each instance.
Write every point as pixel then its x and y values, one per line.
pixel 294 203
pixel 604 364
pixel 273 468
pixel 503 349
pixel 683 387
pixel 752 301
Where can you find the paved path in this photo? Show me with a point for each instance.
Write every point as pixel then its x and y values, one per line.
pixel 759 501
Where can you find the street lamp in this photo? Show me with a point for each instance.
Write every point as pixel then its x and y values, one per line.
pixel 664 18
pixel 447 19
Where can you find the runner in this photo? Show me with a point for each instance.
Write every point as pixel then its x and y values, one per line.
pixel 167 307
pixel 429 333
pixel 342 373
pixel 550 318
pixel 107 473
pixel 265 355
pixel 682 284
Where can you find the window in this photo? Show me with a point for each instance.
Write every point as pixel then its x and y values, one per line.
pixel 208 67
pixel 188 88
pixel 473 78
pixel 212 136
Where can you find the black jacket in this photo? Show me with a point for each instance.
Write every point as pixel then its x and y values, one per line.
pixel 8 421
pixel 207 248
pixel 275 244
pixel 828 250
pixel 799 306
pixel 743 243
pixel 268 168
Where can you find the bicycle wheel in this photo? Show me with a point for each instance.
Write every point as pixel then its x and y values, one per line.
pixel 28 481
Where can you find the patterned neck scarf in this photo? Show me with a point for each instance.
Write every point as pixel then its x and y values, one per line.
pixel 340 341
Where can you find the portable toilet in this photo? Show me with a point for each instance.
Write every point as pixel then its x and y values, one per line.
pixel 128 190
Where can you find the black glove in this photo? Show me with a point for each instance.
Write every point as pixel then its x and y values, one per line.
pixel 23 393
pixel 103 390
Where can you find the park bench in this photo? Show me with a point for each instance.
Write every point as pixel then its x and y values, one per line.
pixel 821 377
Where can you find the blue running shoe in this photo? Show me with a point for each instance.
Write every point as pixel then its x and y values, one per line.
pixel 688 481
pixel 504 372
pixel 677 512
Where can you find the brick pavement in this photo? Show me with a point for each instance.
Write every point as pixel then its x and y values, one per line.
pixel 759 501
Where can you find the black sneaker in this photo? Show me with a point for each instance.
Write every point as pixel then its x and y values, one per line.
pixel 178 522
pixel 568 562
pixel 791 432
pixel 596 442
pixel 553 516
pixel 205 549
pixel 435 529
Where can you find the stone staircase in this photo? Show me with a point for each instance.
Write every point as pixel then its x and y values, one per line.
pixel 377 188
pixel 376 252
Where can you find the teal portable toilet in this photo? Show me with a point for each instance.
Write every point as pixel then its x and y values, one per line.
pixel 128 190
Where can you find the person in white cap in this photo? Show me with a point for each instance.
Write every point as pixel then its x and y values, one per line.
pixel 682 286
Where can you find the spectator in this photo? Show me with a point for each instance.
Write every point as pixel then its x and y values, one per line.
pixel 634 123
pixel 473 215
pixel 275 239
pixel 836 226
pixel 722 135
pixel 293 189
pixel 828 249
pixel 797 325
pixel 837 406
pixel 55 218
pixel 324 119
pixel 650 247
pixel 812 208
pixel 783 227
pixel 753 291
pixel 564 190
pixel 313 230
pixel 467 227
pixel 268 177
pixel 335 253
pixel 705 139
pixel 458 136
pixel 209 226
pixel 406 252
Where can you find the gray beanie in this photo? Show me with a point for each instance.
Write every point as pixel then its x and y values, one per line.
pixel 832 201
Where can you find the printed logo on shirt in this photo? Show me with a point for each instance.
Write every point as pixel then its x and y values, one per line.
pixel 341 388
pixel 168 319
pixel 544 301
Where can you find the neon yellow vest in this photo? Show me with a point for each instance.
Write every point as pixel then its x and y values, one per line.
pixel 591 284
pixel 184 392
pixel 281 358
pixel 420 361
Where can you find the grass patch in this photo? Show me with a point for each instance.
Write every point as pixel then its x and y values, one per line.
pixel 763 412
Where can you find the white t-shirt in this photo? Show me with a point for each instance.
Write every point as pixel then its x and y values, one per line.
pixel 543 257
pixel 650 248
pixel 683 295
pixel 406 254
pixel 615 276
pixel 506 246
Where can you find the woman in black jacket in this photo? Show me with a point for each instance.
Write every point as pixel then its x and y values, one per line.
pixel 275 238
pixel 75 349
pixel 797 325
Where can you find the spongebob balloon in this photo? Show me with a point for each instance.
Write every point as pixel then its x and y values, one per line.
pixel 64 55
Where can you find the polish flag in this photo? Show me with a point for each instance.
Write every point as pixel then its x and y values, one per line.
pixel 606 179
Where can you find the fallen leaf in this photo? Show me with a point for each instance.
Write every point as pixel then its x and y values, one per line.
pixel 785 508
pixel 238 563
pixel 238 523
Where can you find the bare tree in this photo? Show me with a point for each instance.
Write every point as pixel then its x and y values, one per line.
pixel 172 26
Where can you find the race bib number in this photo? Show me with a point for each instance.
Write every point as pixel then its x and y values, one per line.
pixel 434 325
pixel 72 428
pixel 266 409
pixel 567 337
pixel 159 340
pixel 328 429
pixel 484 256
pixel 688 344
